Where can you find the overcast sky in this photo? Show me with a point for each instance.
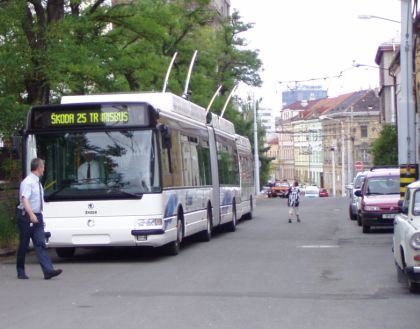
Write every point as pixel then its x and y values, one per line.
pixel 308 39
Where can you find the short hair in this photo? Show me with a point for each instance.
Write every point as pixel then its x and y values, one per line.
pixel 36 163
pixel 296 183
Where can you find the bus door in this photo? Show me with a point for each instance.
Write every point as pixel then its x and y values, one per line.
pixel 214 176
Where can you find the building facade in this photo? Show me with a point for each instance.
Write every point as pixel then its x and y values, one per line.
pixel 303 93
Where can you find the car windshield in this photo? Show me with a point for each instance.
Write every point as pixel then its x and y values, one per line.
pixel 383 185
pixel 359 181
pixel 98 165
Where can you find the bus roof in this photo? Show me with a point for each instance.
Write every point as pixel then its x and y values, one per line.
pixel 243 142
pixel 166 102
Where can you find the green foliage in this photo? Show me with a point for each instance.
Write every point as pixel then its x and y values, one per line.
pixel 385 147
pixel 52 48
pixel 8 226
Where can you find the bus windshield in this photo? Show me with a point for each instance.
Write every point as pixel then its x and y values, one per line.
pixel 99 165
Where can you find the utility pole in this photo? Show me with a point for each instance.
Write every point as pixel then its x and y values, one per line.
pixel 407 123
pixel 343 169
pixel 256 157
pixel 333 169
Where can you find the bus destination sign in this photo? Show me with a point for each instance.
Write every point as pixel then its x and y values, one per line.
pixel 75 116
pixel 88 118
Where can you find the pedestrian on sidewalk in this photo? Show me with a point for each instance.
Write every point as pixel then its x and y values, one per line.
pixel 31 223
pixel 293 201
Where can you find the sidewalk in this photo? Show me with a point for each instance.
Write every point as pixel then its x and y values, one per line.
pixel 7 252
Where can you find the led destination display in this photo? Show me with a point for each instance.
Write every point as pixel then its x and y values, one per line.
pixel 77 116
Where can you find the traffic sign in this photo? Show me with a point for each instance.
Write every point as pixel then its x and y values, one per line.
pixel 358 165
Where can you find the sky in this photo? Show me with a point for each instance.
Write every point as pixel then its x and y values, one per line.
pixel 310 39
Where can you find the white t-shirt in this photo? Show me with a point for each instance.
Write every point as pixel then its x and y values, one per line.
pixel 83 170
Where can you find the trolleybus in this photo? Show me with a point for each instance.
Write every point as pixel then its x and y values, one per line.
pixel 163 171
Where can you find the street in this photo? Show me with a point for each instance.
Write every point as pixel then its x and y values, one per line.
pixel 321 273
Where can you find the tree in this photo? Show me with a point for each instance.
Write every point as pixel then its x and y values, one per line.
pixel 49 48
pixel 385 147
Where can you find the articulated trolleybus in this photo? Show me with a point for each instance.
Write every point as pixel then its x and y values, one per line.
pixel 142 169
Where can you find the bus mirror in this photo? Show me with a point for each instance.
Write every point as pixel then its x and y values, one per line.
pixel 166 136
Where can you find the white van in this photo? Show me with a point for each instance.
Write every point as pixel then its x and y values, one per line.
pixel 311 192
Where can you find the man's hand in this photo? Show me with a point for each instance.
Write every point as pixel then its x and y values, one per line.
pixel 33 218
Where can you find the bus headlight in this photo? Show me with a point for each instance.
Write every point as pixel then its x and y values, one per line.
pixel 415 240
pixel 149 222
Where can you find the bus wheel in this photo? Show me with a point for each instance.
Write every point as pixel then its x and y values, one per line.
pixel 172 248
pixel 65 252
pixel 231 226
pixel 206 234
pixel 251 208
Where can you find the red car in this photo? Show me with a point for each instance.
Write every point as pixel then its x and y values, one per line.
pixel 323 192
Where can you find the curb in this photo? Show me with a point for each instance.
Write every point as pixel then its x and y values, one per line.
pixel 7 252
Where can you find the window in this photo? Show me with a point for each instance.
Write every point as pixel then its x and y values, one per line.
pixel 227 159
pixel 187 163
pixel 363 131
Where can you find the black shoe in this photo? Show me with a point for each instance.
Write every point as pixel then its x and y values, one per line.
pixel 52 274
pixel 290 220
pixel 22 277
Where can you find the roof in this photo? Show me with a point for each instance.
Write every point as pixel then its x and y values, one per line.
pixel 323 105
pixel 375 172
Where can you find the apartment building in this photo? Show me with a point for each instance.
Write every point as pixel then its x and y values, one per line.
pixel 322 139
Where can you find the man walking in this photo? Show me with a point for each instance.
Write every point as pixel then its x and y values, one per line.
pixel 293 201
pixel 31 223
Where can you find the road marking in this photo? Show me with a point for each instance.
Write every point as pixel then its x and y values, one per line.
pixel 319 246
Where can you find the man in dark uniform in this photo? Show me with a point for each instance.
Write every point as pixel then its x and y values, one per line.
pixel 31 224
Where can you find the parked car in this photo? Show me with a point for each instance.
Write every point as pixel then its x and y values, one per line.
pixel 379 196
pixel 357 184
pixel 406 239
pixel 323 192
pixel 280 189
pixel 311 192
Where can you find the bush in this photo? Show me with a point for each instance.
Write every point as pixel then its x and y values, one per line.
pixel 8 227
pixel 8 224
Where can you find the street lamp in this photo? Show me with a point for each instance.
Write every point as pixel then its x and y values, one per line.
pixel 377 17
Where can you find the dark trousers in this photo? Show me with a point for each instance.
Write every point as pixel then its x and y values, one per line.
pixel 37 234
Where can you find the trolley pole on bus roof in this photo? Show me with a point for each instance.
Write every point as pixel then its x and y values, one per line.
pixel 256 157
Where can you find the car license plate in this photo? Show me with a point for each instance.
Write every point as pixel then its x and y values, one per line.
pixel 388 216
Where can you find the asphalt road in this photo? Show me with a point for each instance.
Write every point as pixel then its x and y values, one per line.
pixel 321 273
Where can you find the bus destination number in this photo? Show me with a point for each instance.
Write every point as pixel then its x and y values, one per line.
pixel 89 118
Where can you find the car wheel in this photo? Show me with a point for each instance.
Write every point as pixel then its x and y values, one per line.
pixel 65 252
pixel 366 229
pixel 414 287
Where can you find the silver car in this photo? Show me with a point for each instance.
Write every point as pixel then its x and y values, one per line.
pixel 357 184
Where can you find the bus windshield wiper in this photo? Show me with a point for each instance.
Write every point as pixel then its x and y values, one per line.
pixel 51 196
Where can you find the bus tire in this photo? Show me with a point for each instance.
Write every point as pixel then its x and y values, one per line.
pixel 206 234
pixel 231 226
pixel 67 252
pixel 251 208
pixel 172 248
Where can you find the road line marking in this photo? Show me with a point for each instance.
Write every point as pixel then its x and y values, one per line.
pixel 319 246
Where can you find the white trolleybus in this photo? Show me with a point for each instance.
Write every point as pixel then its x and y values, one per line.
pixel 142 169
